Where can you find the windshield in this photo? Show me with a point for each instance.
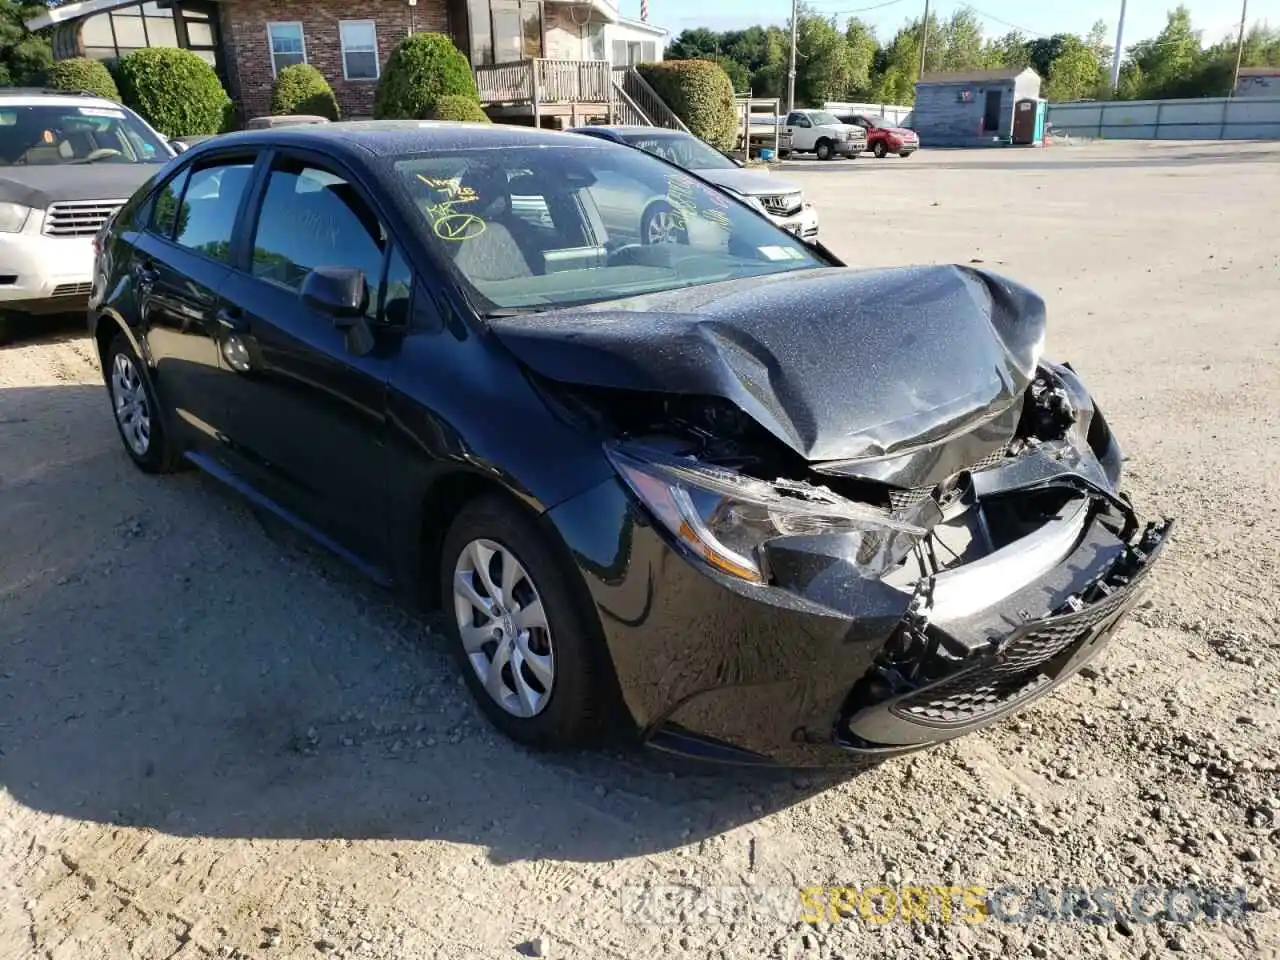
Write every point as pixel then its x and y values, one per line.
pixel 534 228
pixel 51 135
pixel 822 118
pixel 688 152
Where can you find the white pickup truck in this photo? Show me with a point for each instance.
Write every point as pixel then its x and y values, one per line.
pixel 820 132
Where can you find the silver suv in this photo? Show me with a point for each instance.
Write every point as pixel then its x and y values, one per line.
pixel 67 162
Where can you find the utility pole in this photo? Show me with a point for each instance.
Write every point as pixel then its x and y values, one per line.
pixel 791 74
pixel 1244 15
pixel 924 37
pixel 1115 60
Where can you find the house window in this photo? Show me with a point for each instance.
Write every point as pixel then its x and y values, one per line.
pixel 595 42
pixel 287 47
pixel 359 39
pixel 504 31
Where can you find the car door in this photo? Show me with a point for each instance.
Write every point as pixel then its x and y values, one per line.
pixel 179 263
pixel 306 425
pixel 801 131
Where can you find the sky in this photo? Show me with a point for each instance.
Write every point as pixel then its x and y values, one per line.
pixel 1143 18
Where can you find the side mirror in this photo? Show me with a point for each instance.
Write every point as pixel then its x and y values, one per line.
pixel 179 146
pixel 340 293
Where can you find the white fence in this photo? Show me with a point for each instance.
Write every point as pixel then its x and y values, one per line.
pixel 1216 118
pixel 893 113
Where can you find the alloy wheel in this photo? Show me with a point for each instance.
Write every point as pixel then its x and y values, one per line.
pixel 504 628
pixel 132 408
pixel 664 227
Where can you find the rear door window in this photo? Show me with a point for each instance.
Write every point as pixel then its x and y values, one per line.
pixel 206 217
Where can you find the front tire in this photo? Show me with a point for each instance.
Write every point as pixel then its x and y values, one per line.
pixel 139 416
pixel 662 224
pixel 824 150
pixel 521 638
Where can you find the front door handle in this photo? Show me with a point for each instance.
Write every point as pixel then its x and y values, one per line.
pixel 232 320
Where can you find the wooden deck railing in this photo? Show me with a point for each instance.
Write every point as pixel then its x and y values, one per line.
pixel 551 81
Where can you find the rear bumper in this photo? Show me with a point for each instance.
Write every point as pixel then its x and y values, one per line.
pixel 40 274
pixel 810 674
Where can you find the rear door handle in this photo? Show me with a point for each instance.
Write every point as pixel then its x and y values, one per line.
pixel 232 320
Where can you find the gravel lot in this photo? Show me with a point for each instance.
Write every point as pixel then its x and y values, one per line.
pixel 215 741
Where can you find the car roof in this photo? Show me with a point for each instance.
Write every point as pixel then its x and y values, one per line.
pixel 637 129
pixel 54 98
pixel 394 137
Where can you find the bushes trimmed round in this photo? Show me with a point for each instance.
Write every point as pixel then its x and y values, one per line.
pixel 462 109
pixel 701 94
pixel 81 73
pixel 421 70
pixel 302 88
pixel 174 90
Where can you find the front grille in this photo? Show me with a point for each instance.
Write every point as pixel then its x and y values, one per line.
pixel 72 289
pixel 8 280
pixel 78 218
pixel 782 204
pixel 905 499
pixel 1017 672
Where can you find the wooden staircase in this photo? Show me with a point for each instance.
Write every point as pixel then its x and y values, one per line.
pixel 573 91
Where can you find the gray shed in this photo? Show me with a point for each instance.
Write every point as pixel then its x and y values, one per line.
pixel 973 108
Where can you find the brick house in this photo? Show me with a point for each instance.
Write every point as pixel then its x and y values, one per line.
pixel 554 61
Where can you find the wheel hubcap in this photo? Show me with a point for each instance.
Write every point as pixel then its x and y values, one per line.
pixel 663 228
pixel 133 411
pixel 504 628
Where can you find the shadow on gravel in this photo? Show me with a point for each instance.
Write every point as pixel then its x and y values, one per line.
pixel 167 660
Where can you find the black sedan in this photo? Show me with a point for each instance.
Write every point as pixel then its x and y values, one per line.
pixel 724 495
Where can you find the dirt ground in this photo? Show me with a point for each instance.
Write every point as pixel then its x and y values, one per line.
pixel 215 741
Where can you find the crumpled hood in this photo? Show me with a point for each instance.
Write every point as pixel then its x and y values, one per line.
pixel 838 364
pixel 42 184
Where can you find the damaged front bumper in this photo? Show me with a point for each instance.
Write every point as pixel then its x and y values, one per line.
pixel 934 680
pixel 822 664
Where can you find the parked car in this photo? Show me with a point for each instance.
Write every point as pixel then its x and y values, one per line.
pixel 67 163
pixel 820 132
pixel 780 200
pixel 883 140
pixel 727 495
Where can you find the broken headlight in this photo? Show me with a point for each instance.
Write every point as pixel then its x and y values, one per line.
pixel 725 518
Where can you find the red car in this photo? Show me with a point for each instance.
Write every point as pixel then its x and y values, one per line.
pixel 883 140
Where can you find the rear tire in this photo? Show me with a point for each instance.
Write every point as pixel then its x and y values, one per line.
pixel 140 419
pixel 880 150
pixel 8 332
pixel 505 589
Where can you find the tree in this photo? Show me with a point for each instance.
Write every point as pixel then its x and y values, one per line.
pixel 696 44
pixel 823 64
pixel 961 41
pixel 737 71
pixel 1011 50
pixel 863 47
pixel 24 56
pixel 1074 74
pixel 1169 62
pixel 174 90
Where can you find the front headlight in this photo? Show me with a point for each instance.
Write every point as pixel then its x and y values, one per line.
pixel 13 217
pixel 726 519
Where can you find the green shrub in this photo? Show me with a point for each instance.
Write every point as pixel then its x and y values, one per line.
pixel 302 88
pixel 81 73
pixel 174 90
pixel 701 94
pixel 454 107
pixel 421 70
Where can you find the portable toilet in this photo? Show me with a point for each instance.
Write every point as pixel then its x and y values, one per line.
pixel 1028 121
